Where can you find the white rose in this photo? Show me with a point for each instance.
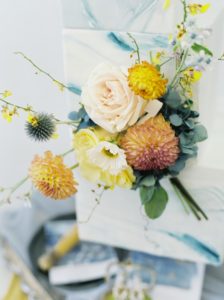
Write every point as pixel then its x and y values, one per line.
pixel 109 101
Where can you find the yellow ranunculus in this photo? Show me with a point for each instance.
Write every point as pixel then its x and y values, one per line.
pixel 104 135
pixel 94 174
pixel 84 139
pixel 125 178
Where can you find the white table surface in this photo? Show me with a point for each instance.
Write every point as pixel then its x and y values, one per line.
pixel 34 27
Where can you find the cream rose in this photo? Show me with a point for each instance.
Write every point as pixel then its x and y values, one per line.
pixel 109 101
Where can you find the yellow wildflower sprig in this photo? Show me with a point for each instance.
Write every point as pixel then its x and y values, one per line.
pixel 31 112
pixel 137 51
pixel 98 196
pixel 60 85
pixel 195 9
pixel 185 10
pixel 166 4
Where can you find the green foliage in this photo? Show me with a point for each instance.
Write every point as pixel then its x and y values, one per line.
pixel 178 166
pixel 176 120
pixel 146 194
pixel 173 99
pixel 157 204
pixel 200 133
pixel 197 48
pixel 148 181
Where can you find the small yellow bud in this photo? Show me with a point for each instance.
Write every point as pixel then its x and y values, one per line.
pixel 55 136
pixel 6 94
pixel 195 9
pixel 166 4
pixel 59 85
pixel 33 120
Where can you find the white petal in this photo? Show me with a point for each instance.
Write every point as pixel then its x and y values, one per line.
pixel 152 109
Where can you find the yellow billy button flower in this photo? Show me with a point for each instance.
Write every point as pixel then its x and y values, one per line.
pixel 51 177
pixel 195 9
pixel 146 81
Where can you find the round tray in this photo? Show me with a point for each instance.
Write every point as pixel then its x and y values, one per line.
pixel 37 247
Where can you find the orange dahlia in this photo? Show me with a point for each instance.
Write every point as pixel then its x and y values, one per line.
pixel 146 81
pixel 51 177
pixel 151 145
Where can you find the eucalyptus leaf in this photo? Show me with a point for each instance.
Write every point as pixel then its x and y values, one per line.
pixel 191 151
pixel 146 194
pixel 156 206
pixel 76 115
pixel 200 133
pixel 186 139
pixel 148 181
pixel 190 124
pixel 176 120
pixel 173 99
pixel 178 166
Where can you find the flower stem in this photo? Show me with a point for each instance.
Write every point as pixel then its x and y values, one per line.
pixel 17 106
pixel 179 70
pixel 136 46
pixel 67 152
pixel 19 184
pixel 74 166
pixel 29 109
pixel 185 10
pixel 165 62
pixel 41 70
pixel 195 208
pixel 182 199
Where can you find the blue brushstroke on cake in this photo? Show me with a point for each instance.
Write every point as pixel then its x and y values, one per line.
pixel 161 41
pixel 117 40
pixel 198 246
pixel 170 272
pixel 74 89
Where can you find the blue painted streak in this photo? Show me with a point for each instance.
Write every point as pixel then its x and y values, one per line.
pixel 211 255
pixel 169 271
pixel 119 42
pixel 161 41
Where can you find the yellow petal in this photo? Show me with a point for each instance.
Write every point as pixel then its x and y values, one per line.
pixel 197 75
pixel 59 85
pixel 205 7
pixel 166 4
pixel 55 136
pixel 6 94
pixel 7 117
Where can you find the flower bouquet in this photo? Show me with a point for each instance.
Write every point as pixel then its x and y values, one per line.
pixel 136 124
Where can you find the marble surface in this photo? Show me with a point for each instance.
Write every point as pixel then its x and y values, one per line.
pixel 175 234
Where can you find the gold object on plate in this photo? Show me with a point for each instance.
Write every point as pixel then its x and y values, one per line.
pixel 64 245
